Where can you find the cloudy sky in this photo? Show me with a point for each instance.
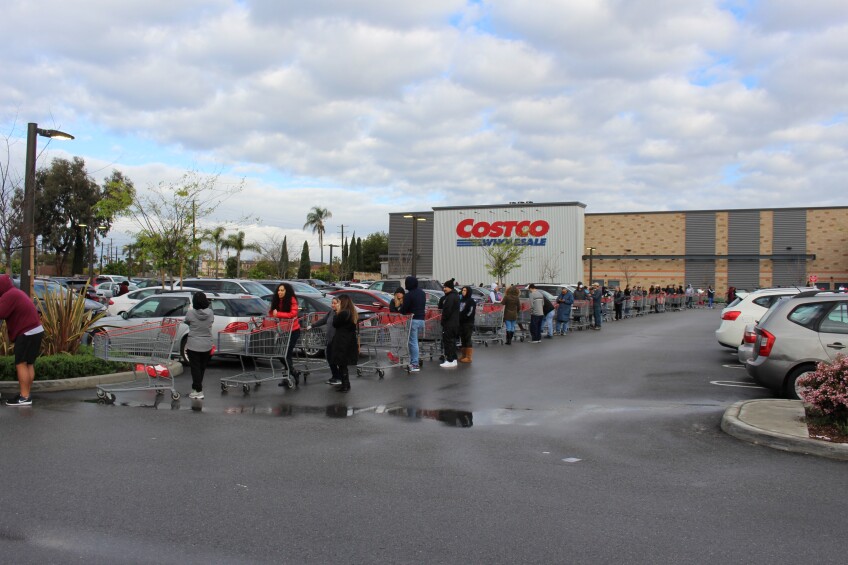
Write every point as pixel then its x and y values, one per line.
pixel 372 106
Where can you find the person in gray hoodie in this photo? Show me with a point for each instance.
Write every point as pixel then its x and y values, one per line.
pixel 199 343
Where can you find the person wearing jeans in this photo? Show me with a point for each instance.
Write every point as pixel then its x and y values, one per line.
pixel 415 303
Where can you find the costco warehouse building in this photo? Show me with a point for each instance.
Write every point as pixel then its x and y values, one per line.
pixel 746 249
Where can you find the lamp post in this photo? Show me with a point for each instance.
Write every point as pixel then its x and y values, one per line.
pixel 28 243
pixel 331 246
pixel 415 219
pixel 591 251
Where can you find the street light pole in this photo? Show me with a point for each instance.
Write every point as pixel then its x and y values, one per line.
pixel 415 219
pixel 591 251
pixel 331 246
pixel 28 243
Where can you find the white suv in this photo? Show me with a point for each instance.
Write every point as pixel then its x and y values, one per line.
pixel 748 310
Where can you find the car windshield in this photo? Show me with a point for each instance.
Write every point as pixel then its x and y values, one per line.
pixel 303 288
pixel 254 288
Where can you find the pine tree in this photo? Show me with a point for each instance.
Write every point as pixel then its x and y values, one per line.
pixel 345 257
pixel 305 270
pixel 359 265
pixel 283 269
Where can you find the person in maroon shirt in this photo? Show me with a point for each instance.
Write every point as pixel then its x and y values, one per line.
pixel 24 328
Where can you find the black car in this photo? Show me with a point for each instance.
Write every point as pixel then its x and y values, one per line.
pixel 41 287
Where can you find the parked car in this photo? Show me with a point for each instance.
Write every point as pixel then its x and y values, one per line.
pixel 124 303
pixel 228 286
pixel 80 285
pixel 555 289
pixel 390 285
pixel 232 313
pixel 795 335
pixel 433 297
pixel 41 287
pixel 298 286
pixel 370 300
pixel 745 352
pixel 110 289
pixel 748 310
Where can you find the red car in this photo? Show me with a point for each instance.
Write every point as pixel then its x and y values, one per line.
pixel 370 300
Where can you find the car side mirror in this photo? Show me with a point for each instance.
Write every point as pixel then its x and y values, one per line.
pixel 125 315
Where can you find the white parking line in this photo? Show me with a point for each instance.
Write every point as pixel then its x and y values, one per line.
pixel 739 384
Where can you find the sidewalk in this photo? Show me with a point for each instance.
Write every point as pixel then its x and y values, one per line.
pixel 778 424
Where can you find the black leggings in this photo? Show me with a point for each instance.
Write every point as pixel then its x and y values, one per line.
pixel 197 360
pixel 465 331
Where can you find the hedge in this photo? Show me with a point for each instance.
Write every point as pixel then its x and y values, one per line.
pixel 64 366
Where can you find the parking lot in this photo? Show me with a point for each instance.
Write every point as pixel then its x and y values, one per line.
pixel 596 447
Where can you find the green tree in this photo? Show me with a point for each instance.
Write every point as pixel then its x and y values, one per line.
pixel 345 262
pixel 375 245
pixel 237 243
pixel 283 268
pixel 503 258
pixel 215 236
pixel 315 219
pixel 305 269
pixel 231 267
pixel 263 269
pixel 166 214
pixel 359 254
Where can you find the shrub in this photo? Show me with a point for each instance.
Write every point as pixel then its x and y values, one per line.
pixel 826 389
pixel 65 321
pixel 64 366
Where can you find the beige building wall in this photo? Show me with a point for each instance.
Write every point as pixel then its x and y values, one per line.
pixel 827 238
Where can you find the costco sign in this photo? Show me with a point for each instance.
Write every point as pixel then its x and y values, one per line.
pixel 524 232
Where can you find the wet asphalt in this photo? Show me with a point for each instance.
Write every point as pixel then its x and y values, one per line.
pixel 591 448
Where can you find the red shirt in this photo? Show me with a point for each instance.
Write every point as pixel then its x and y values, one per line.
pixel 17 309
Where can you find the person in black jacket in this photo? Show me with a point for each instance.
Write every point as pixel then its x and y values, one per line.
pixel 449 304
pixel 467 309
pixel 415 303
pixel 345 347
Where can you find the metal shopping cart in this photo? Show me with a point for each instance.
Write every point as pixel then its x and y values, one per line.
pixel 522 321
pixel 488 324
pixel 148 346
pixel 430 340
pixel 385 342
pixel 265 342
pixel 580 315
pixel 310 354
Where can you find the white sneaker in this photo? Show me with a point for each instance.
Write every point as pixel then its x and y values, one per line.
pixel 448 364
pixel 196 395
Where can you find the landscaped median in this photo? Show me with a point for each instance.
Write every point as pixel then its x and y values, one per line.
pixel 779 424
pixel 83 382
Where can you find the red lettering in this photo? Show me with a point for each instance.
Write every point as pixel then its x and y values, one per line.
pixel 463 228
pixel 525 228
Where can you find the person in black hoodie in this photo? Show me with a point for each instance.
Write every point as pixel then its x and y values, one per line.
pixel 467 309
pixel 450 323
pixel 415 303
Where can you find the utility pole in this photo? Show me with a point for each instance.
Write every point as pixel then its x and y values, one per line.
pixel 196 255
pixel 331 246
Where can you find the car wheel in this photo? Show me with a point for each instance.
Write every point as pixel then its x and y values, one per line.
pixel 792 390
pixel 183 352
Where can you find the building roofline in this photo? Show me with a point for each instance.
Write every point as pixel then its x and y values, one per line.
pixel 512 205
pixel 716 210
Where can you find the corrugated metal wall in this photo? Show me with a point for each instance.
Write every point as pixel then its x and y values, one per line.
pixel 700 240
pixel 743 238
pixel 400 245
pixel 790 238
pixel 560 258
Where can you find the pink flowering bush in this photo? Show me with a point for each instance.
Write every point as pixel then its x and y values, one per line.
pixel 826 389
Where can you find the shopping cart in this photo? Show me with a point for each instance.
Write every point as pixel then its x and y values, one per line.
pixel 310 354
pixel 488 324
pixel 580 315
pixel 385 342
pixel 522 321
pixel 145 346
pixel 430 340
pixel 265 342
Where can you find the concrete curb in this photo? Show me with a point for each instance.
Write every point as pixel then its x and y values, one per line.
pixel 175 367
pixel 732 424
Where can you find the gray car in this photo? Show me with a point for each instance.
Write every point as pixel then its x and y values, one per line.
pixel 795 335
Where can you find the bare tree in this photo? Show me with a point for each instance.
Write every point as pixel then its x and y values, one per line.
pixel 549 269
pixel 11 200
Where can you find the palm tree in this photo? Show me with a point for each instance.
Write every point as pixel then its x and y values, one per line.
pixel 236 242
pixel 315 219
pixel 215 236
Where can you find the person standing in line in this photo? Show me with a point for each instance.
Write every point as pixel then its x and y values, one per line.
pixel 618 302
pixel 415 303
pixel 690 295
pixel 345 346
pixel 512 304
pixel 199 343
pixel 396 304
pixel 284 306
pixel 581 295
pixel 449 305
pixel 467 311
pixel 495 295
pixel 327 320
pixel 710 296
pixel 549 310
pixel 537 314
pixel 565 301
pixel 597 297
pixel 24 329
